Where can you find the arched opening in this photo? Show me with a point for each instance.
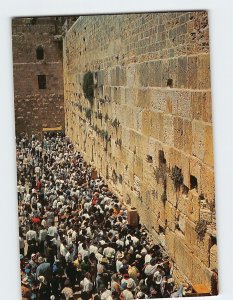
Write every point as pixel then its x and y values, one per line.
pixel 40 53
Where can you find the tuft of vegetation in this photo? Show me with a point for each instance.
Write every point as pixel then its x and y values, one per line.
pixel 118 142
pixel 177 177
pixel 106 117
pixel 115 123
pixel 88 86
pixel 88 113
pixel 164 197
pixel 104 134
pixel 99 115
pixel 201 228
pixel 161 173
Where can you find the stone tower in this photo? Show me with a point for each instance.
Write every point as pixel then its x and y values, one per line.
pixel 38 73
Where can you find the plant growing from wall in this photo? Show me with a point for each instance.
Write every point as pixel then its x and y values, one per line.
pixel 106 117
pixel 88 114
pixel 88 86
pixel 118 142
pixel 99 115
pixel 164 197
pixel 115 123
pixel 161 173
pixel 201 229
pixel 177 177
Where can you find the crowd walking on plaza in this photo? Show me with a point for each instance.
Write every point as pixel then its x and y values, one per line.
pixel 75 239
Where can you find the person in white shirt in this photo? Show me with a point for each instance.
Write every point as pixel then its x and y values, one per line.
pixel 86 283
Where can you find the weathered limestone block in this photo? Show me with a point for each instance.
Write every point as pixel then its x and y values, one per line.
pixel 146 122
pixel 193 212
pixel 192 72
pixel 209 155
pixel 207 107
pixel 203 71
pixel 181 222
pixel 158 100
pixel 185 162
pixel 142 98
pixel 197 105
pixel 155 73
pixel 131 75
pixel 200 273
pixel 195 170
pixel 187 133
pixel 172 72
pixel 199 134
pixel 184 104
pixel 213 257
pixel 207 182
pixel 137 119
pixel 170 215
pixel 178 132
pixel 165 72
pixel 190 235
pixel 157 125
pixel 202 250
pixel 143 73
pixel 171 192
pixel 182 203
pixel 138 166
pixel 130 96
pixel 170 243
pixel 168 130
pixel 183 257
pixel 182 72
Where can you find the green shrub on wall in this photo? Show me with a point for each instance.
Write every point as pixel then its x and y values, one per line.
pixel 88 86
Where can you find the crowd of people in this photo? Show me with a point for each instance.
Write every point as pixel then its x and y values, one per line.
pixel 75 239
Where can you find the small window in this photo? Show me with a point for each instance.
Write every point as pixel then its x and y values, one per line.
pixel 40 53
pixel 170 83
pixel 149 159
pixel 42 82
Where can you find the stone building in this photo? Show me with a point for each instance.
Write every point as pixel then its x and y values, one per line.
pixel 138 106
pixel 38 73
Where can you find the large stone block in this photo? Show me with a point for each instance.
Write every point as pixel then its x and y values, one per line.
pixel 200 273
pixel 203 72
pixel 157 125
pixel 170 216
pixel 182 72
pixel 193 209
pixel 184 104
pixel 192 72
pixel 146 122
pixel 158 100
pixel 187 135
pixel 142 99
pixel 168 130
pixel 207 182
pixel 170 243
pixel 209 155
pixel 198 130
pixel 183 257
pixel 213 257
pixel 178 132
pixel 155 73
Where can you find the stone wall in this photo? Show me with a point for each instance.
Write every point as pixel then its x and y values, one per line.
pixel 149 128
pixel 37 108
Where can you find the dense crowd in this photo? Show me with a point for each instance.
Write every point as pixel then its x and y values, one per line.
pixel 74 236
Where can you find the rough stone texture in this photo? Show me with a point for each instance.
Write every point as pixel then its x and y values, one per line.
pixel 132 57
pixel 37 108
